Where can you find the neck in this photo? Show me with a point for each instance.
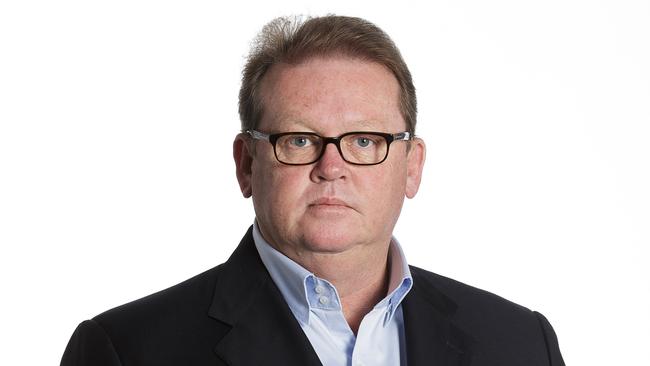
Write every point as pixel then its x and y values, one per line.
pixel 360 275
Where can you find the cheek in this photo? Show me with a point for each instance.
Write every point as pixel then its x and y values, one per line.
pixel 385 190
pixel 276 187
pixel 388 182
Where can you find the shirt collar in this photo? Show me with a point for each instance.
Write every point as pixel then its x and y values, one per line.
pixel 399 281
pixel 289 276
pixel 303 291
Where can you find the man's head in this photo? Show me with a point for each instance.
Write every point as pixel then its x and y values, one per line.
pixel 330 205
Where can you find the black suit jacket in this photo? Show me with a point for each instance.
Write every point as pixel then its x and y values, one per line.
pixel 234 315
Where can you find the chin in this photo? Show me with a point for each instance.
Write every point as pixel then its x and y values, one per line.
pixel 329 237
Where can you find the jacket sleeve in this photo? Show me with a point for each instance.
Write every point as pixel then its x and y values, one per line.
pixel 552 346
pixel 90 346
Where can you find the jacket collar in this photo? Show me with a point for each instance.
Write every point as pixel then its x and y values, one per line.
pixel 431 336
pixel 262 328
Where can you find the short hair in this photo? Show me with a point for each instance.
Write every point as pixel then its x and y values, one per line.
pixel 293 40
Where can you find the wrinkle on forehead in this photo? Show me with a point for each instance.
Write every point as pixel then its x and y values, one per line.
pixel 344 92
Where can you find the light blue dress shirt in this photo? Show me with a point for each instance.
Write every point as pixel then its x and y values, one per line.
pixel 315 303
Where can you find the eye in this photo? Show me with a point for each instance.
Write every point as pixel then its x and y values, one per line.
pixel 299 141
pixel 363 141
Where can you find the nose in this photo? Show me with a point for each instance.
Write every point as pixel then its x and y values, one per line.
pixel 330 166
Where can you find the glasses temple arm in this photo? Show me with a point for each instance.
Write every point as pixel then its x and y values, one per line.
pixel 258 135
pixel 402 136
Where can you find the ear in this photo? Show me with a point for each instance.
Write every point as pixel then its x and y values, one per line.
pixel 243 156
pixel 415 164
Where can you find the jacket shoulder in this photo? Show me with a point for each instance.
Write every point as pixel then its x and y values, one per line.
pixel 500 327
pixel 464 295
pixel 190 294
pixel 166 324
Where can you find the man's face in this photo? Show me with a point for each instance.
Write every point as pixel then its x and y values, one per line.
pixel 330 206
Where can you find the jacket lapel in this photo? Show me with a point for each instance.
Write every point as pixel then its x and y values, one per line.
pixel 263 329
pixel 431 337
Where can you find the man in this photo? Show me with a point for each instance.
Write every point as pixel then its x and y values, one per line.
pixel 327 153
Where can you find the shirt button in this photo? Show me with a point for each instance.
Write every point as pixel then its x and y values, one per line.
pixel 319 289
pixel 323 300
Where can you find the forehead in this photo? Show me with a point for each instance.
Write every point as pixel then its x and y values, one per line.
pixel 333 95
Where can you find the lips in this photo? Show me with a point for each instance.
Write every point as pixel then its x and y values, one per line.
pixel 329 201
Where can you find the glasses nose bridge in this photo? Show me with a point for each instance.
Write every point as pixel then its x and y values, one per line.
pixel 331 140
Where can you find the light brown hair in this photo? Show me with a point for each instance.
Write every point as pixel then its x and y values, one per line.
pixel 292 40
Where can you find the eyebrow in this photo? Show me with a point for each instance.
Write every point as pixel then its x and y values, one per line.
pixel 308 127
pixel 366 123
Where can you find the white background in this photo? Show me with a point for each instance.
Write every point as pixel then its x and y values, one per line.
pixel 116 178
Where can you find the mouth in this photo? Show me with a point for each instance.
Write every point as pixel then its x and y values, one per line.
pixel 329 205
pixel 329 202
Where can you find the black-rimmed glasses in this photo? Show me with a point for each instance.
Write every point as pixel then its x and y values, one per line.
pixel 302 148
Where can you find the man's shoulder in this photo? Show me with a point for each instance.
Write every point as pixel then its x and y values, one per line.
pixel 168 327
pixel 497 326
pixel 170 307
pixel 469 301
pixel 186 305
